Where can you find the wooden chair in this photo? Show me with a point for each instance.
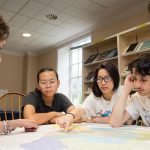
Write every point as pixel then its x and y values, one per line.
pixel 10 106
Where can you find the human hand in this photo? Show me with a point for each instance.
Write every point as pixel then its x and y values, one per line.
pixel 65 122
pixel 29 125
pixel 129 83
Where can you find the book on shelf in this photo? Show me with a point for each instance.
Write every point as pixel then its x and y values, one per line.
pixel 132 47
pixel 101 56
pixel 89 90
pixel 126 72
pixel 90 76
pixel 107 54
pixel 91 58
pixel 144 46
pixel 112 53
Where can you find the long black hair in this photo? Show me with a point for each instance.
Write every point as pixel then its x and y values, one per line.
pixel 114 74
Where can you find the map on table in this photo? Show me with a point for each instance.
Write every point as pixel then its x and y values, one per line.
pixel 93 137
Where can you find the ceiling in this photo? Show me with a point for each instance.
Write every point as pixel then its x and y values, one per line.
pixel 74 18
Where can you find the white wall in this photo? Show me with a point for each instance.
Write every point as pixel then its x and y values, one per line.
pixel 63 70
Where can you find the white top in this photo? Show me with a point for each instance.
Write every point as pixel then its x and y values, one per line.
pixel 139 106
pixel 98 106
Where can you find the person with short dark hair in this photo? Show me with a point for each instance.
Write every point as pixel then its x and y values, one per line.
pixel 44 105
pixel 139 105
pixel 97 107
pixel 8 126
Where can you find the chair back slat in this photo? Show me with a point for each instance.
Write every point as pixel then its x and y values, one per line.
pixel 12 108
pixel 10 105
pixel 4 108
pixel 19 105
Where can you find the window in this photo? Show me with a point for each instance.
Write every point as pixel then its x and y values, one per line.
pixel 70 70
pixel 76 70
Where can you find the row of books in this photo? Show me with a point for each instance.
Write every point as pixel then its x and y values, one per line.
pixel 90 76
pixel 134 47
pixel 102 55
pixel 125 72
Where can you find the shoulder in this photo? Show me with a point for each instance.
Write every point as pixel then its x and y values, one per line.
pixel 31 98
pixel 92 97
pixel 62 100
pixel 118 91
pixel 138 98
pixel 34 94
pixel 135 96
pixel 61 96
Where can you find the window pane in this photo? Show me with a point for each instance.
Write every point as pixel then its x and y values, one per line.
pixel 75 71
pixel 80 98
pixel 88 40
pixel 75 98
pixel 75 57
pixel 80 55
pixel 74 84
pixel 80 69
pixel 80 83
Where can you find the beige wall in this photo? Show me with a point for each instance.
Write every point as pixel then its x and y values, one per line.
pixel 30 72
pixel 12 73
pixel 48 59
pixel 125 24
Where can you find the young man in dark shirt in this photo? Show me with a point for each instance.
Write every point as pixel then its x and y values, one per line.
pixel 44 105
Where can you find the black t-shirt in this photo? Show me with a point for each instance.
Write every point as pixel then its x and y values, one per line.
pixel 60 103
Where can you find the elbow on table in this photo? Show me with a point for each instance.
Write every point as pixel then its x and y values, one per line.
pixel 115 124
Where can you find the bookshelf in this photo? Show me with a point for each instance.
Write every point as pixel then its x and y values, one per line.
pixel 128 44
pixel 137 39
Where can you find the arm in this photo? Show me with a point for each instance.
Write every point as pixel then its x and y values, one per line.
pixel 102 120
pixel 40 118
pixel 30 125
pixel 73 115
pixel 1 127
pixel 77 113
pixel 119 114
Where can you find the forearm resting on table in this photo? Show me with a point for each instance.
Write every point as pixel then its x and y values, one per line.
pixel 42 118
pixel 102 120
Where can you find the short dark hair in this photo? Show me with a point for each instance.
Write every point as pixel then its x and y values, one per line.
pixel 141 65
pixel 114 74
pixel 44 69
pixel 4 29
